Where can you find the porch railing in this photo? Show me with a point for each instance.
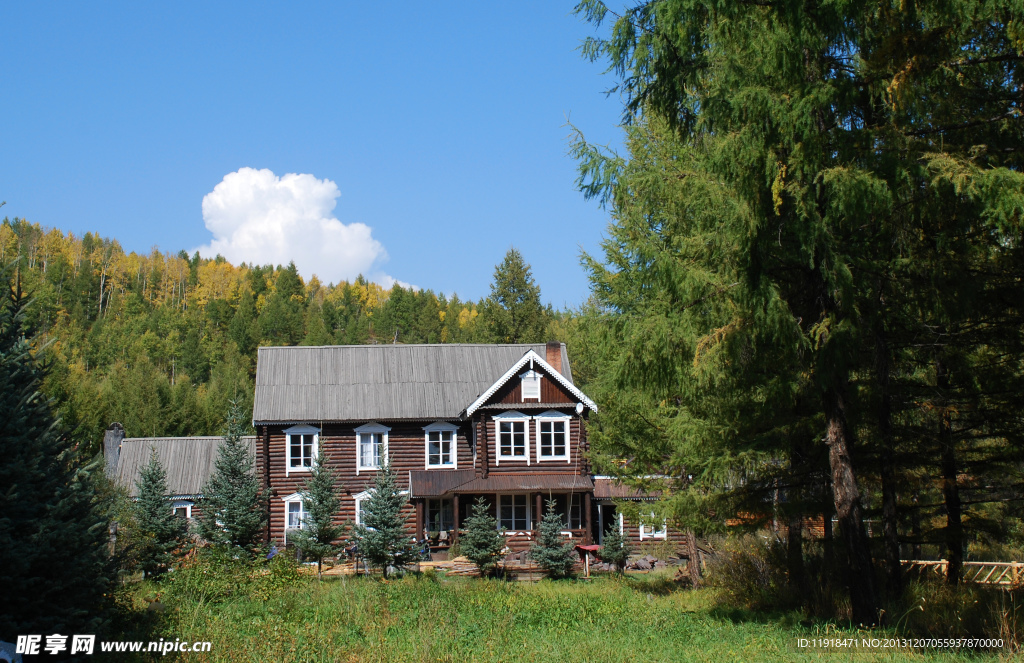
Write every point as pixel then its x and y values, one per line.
pixel 1003 574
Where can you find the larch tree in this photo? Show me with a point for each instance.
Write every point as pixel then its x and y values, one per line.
pixel 785 159
pixel 513 311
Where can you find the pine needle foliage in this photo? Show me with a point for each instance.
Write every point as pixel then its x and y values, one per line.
pixel 481 543
pixel 159 531
pixel 615 549
pixel 820 207
pixel 321 503
pixel 54 568
pixel 381 535
pixel 551 551
pixel 513 311
pixel 234 509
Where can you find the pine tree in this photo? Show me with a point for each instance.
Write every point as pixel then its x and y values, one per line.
pixel 233 506
pixel 160 531
pixel 481 543
pixel 321 503
pixel 615 549
pixel 382 537
pixel 54 568
pixel 551 551
pixel 513 312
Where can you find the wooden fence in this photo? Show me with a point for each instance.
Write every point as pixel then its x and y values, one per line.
pixel 1002 574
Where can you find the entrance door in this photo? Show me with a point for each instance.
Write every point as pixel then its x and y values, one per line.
pixel 607 516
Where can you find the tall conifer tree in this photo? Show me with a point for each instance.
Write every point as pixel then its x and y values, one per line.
pixel 381 534
pixel 786 161
pixel 160 531
pixel 54 568
pixel 321 503
pixel 513 311
pixel 234 507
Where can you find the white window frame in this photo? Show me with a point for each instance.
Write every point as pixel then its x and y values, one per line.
pixel 371 428
pixel 294 498
pixel 533 377
pixel 511 417
pixel 653 533
pixel 441 427
pixel 529 512
pixel 303 429
pixel 365 495
pixel 183 504
pixel 552 416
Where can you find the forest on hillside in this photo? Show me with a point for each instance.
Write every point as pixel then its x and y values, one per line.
pixel 163 342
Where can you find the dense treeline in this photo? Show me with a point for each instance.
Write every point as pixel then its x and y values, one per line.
pixel 162 342
pixel 810 294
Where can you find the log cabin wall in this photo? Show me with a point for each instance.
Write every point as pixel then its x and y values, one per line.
pixel 406 447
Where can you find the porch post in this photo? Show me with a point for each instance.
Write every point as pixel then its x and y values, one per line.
pixel 588 536
pixel 455 516
pixel 539 512
pixel 419 519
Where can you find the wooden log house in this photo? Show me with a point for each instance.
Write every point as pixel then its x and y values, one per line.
pixel 504 423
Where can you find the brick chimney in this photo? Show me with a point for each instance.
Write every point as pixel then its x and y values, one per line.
pixel 554 355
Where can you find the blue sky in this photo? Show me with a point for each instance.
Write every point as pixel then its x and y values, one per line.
pixel 441 125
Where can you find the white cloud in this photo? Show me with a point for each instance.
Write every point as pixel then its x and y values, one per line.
pixel 260 218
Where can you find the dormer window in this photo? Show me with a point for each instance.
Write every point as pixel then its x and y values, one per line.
pixel 530 385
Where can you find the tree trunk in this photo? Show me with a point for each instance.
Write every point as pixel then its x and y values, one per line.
pixel 890 515
pixel 915 527
pixel 950 488
pixel 794 533
pixel 845 494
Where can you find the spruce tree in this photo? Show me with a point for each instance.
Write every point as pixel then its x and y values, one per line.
pixel 233 506
pixel 481 543
pixel 321 503
pixel 616 549
pixel 382 537
pixel 513 312
pixel 54 568
pixel 160 531
pixel 551 551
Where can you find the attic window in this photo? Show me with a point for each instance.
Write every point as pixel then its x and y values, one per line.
pixel 530 385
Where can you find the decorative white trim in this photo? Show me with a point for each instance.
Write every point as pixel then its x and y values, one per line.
pixel 372 428
pixel 183 504
pixel 511 416
pixel 359 500
pixel 553 416
pixel 549 369
pixel 441 427
pixel 301 429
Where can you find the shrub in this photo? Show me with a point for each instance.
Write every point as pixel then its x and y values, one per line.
pixel 482 544
pixel 551 552
pixel 616 548
pixel 751 571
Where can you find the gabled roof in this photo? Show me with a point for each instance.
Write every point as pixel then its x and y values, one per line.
pixel 188 461
pixel 380 382
pixel 533 359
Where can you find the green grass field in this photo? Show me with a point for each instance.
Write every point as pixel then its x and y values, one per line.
pixel 288 617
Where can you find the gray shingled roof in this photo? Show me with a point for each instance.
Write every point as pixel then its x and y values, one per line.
pixel 364 382
pixel 188 461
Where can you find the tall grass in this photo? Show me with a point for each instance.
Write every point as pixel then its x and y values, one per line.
pixel 251 613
